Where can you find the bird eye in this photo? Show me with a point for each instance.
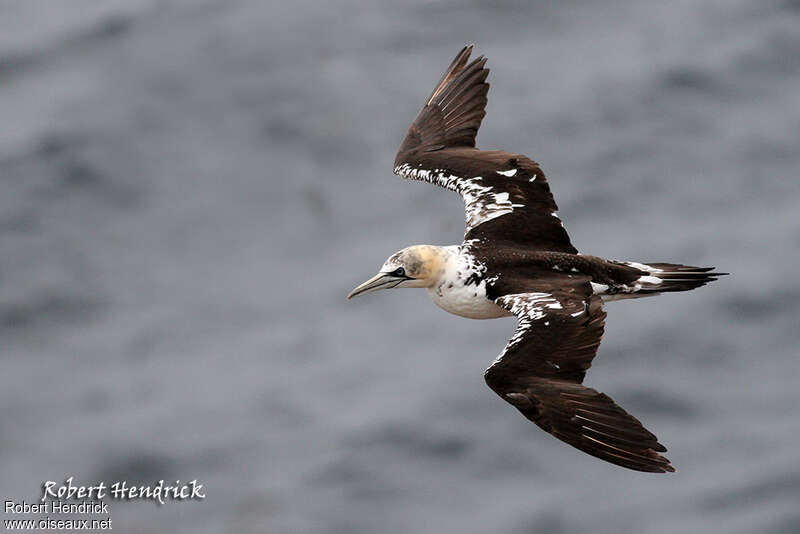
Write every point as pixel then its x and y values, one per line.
pixel 400 272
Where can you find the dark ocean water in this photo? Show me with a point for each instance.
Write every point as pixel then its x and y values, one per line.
pixel 189 189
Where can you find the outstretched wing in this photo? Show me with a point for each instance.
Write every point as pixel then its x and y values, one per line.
pixel 453 113
pixel 506 196
pixel 542 367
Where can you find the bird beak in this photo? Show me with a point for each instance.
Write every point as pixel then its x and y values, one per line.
pixel 379 281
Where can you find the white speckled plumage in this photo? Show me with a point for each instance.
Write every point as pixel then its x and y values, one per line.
pixel 481 202
pixel 529 308
pixel 461 288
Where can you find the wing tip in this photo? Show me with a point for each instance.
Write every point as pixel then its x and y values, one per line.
pixel 466 51
pixel 658 469
pixel 662 465
pixel 453 112
pixel 456 66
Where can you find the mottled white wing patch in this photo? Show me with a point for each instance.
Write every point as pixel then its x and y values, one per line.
pixel 529 308
pixel 481 202
pixel 435 176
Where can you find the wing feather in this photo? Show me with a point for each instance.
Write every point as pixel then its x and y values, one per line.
pixel 542 367
pixel 506 195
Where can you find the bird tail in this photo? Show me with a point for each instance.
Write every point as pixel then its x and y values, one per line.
pixel 668 277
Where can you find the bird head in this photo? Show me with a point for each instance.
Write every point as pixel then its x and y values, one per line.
pixel 416 266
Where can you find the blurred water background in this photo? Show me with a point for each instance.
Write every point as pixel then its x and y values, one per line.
pixel 189 189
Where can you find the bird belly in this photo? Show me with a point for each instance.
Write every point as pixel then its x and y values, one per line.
pixel 466 300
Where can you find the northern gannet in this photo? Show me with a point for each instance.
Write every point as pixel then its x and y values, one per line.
pixel 516 259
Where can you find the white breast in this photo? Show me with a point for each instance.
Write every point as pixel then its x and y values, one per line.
pixel 453 295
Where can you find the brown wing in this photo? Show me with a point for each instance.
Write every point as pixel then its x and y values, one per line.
pixel 506 196
pixel 542 367
pixel 453 113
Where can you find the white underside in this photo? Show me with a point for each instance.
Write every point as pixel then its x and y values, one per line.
pixel 467 301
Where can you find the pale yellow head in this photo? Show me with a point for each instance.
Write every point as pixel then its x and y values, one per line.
pixel 415 266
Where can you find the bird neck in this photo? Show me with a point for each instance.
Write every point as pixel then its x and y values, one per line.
pixel 443 263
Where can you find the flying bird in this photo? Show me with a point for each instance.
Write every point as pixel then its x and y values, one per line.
pixel 516 259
